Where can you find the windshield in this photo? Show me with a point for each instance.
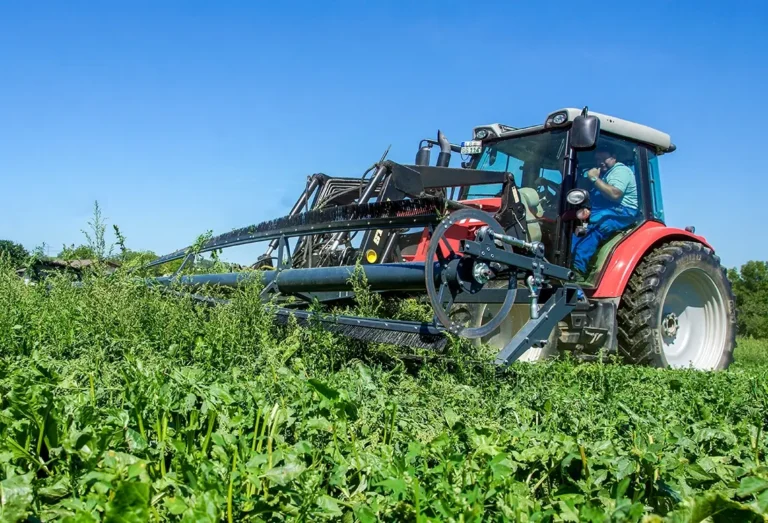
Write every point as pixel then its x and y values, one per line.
pixel 535 161
pixel 527 158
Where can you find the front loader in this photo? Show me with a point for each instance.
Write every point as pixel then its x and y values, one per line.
pixel 546 239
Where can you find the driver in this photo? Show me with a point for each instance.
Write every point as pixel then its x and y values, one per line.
pixel 613 195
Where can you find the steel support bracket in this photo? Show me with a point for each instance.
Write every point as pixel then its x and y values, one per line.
pixel 536 331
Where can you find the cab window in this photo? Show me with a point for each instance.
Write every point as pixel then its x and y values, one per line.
pixel 493 159
pixel 655 180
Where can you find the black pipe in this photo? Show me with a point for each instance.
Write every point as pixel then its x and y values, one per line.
pixel 228 279
pixel 390 247
pixel 380 277
pixel 314 182
pixel 444 158
pixel 371 188
pixel 368 193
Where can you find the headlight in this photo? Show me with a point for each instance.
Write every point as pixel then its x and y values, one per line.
pixel 481 134
pixel 577 196
pixel 556 119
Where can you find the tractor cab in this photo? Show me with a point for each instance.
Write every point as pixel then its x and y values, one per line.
pixel 586 180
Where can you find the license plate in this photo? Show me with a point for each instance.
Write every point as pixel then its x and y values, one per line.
pixel 472 147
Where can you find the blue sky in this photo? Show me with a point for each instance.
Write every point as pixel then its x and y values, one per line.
pixel 184 116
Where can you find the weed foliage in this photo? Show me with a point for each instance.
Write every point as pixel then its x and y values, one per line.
pixel 122 403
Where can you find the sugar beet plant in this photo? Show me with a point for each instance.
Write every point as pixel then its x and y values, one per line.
pixel 120 403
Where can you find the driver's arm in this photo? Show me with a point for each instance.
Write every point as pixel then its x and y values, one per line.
pixel 607 189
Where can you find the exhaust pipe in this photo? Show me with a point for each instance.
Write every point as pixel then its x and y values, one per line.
pixel 444 158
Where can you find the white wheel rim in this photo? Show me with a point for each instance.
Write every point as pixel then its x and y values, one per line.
pixel 499 338
pixel 693 322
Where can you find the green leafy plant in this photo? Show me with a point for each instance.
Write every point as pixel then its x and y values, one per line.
pixel 122 403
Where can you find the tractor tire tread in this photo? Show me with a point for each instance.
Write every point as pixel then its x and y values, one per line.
pixel 638 308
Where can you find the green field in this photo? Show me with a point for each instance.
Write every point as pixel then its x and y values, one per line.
pixel 118 403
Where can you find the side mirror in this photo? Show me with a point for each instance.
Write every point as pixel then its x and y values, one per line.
pixel 584 131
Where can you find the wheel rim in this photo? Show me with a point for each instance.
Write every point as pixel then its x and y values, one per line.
pixel 693 321
pixel 499 338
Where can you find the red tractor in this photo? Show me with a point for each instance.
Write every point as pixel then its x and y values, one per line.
pixel 546 239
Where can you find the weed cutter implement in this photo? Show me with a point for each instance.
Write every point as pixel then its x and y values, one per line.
pixel 548 238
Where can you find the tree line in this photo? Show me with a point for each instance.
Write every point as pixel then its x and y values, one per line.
pixel 750 285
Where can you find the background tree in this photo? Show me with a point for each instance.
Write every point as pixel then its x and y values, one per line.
pixel 14 251
pixel 750 285
pixel 81 252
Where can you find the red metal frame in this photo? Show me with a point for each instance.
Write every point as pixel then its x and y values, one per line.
pixel 630 251
pixel 454 235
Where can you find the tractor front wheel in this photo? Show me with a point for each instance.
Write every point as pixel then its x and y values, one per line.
pixel 678 310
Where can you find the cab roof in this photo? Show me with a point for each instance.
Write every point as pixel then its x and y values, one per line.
pixel 633 131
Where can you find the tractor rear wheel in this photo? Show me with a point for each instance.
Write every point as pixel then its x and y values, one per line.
pixel 678 310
